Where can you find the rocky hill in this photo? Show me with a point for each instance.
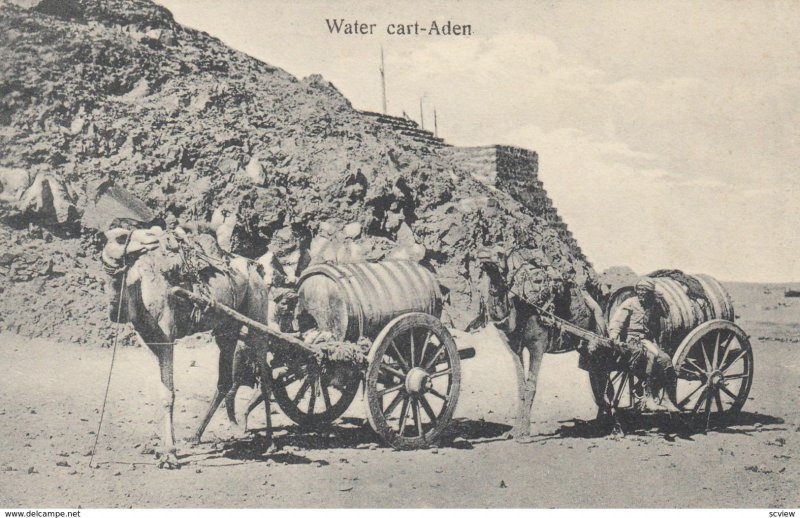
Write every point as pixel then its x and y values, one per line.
pixel 94 90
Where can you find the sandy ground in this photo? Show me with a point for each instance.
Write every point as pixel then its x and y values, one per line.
pixel 51 394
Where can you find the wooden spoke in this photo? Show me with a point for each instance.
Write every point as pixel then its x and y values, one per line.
pixel 400 357
pixel 728 392
pixel 285 380
pixel 708 409
pixel 732 354
pixel 685 369
pixel 742 375
pixel 391 389
pixel 302 392
pixel 433 370
pixel 312 401
pixel 694 364
pixel 413 349
pixel 618 394
pixel 435 357
pixel 729 365
pixel 425 347
pixel 440 373
pixel 437 394
pixel 428 410
pixel 325 395
pixel 417 416
pixel 393 404
pixel 718 400
pixel 316 377
pixel 706 361
pixel 692 376
pixel 727 347
pixel 403 416
pixel 716 351
pixel 616 377
pixel 703 396
pixel 392 371
pixel 633 388
pixel 687 398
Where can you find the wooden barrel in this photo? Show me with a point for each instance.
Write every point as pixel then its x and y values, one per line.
pixel 682 312
pixel 719 299
pixel 359 299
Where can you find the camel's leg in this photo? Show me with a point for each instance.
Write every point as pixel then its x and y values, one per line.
pixel 255 400
pixel 669 400
pixel 523 425
pixel 601 384
pixel 520 374
pixel 226 340
pixel 597 314
pixel 164 354
pixel 230 401
pixel 239 373
pixel 266 387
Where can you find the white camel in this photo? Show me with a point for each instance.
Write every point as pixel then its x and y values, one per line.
pixel 146 265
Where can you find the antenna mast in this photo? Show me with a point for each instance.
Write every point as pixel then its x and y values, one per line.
pixel 383 82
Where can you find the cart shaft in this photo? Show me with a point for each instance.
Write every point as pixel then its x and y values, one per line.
pixel 252 325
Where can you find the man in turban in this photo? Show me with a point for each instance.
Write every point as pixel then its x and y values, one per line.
pixel 635 327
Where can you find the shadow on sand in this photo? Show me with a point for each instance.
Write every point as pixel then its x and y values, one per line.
pixel 296 445
pixel 671 427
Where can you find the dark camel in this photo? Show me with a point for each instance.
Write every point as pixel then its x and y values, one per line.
pixel 520 323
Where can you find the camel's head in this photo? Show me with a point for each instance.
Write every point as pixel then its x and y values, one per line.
pixel 524 273
pixel 125 244
pixel 123 259
pixel 492 261
pixel 496 305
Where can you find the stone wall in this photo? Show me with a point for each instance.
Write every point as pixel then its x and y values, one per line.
pixel 408 128
pixel 515 171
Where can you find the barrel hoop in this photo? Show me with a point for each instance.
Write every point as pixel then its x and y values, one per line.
pixel 413 285
pixel 378 276
pixel 711 297
pixel 718 296
pixel 351 290
pixel 374 292
pixel 431 288
pixel 361 297
pixel 393 271
pixel 673 300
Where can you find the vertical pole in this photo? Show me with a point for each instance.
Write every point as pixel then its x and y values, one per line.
pixel 383 82
pixel 435 123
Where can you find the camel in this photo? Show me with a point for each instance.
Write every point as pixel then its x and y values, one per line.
pixel 145 265
pixel 519 321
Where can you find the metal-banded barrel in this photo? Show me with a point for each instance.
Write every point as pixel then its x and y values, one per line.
pixel 718 297
pixel 682 311
pixel 359 299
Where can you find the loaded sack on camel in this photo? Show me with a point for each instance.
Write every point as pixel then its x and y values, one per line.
pixel 191 260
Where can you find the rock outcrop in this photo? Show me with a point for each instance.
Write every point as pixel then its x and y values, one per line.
pixel 96 91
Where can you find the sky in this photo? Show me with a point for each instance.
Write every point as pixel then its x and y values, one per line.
pixel 668 132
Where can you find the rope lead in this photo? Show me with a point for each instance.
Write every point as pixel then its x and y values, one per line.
pixel 111 367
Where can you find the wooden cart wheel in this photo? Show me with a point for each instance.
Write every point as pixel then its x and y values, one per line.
pixel 412 382
pixel 627 389
pixel 714 364
pixel 313 393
